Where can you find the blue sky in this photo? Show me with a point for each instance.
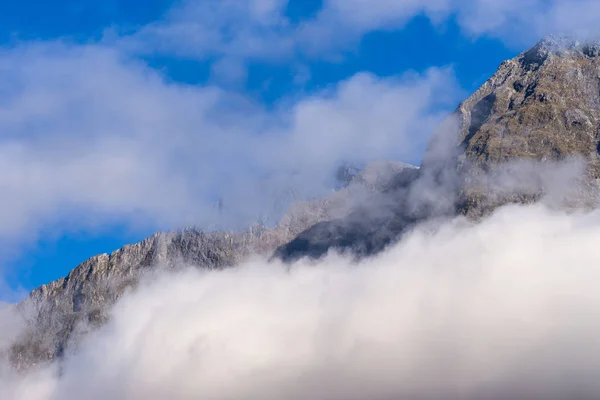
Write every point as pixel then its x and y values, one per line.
pixel 120 118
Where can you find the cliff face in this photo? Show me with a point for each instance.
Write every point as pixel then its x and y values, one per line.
pixel 61 311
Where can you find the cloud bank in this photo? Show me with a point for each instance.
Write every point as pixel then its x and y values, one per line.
pixel 504 309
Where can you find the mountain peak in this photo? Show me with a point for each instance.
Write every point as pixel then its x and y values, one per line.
pixel 558 42
pixel 563 46
pixel 541 106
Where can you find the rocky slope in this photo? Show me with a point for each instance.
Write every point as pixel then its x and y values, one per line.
pixel 61 311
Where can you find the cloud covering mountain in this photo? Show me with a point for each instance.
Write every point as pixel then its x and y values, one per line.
pixel 506 308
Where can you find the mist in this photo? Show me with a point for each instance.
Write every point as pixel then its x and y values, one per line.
pixel 502 309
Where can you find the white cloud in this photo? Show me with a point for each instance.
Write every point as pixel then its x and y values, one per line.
pixel 260 29
pixel 208 28
pixel 517 22
pixel 504 309
pixel 229 71
pixel 367 15
pixel 341 24
pixel 90 136
pixel 521 22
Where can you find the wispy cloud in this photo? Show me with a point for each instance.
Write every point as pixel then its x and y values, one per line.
pixel 92 136
pixel 518 22
pixel 260 29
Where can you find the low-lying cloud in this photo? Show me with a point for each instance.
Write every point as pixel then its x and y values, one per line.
pixel 504 309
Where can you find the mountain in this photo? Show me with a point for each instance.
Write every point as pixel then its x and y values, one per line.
pixel 543 105
pixel 61 311
pixel 501 145
pixel 508 142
